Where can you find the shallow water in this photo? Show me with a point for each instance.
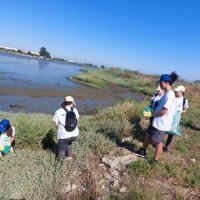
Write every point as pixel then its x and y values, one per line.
pixel 36 85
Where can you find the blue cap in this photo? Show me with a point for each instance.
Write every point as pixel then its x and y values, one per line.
pixel 165 77
pixel 4 124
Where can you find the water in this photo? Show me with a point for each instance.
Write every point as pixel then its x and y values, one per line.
pixel 17 71
pixel 37 85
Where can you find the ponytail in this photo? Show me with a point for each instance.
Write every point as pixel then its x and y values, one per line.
pixel 174 77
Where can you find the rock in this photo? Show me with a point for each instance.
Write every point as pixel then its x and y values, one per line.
pixel 67 188
pixel 127 139
pixel 123 189
pixel 118 162
pixel 115 184
pixel 74 187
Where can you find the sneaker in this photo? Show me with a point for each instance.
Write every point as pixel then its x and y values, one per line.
pixel 141 153
pixel 68 158
pixel 165 149
pixel 153 162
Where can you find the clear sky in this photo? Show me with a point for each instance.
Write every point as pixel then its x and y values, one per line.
pixel 151 36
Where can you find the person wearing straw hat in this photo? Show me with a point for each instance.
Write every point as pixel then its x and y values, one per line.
pixel 181 107
pixel 65 119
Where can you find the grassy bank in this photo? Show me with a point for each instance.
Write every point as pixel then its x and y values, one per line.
pixel 33 173
pixel 133 80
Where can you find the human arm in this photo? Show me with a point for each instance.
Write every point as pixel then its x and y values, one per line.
pixel 12 139
pixel 55 119
pixel 161 113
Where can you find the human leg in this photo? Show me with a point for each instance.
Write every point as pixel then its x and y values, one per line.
pixel 157 139
pixel 62 146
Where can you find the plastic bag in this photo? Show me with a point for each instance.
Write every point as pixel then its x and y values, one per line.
pixel 175 129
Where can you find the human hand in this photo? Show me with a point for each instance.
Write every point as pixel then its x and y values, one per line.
pixel 147 114
pixel 1 147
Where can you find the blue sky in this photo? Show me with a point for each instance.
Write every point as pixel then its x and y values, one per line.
pixel 151 36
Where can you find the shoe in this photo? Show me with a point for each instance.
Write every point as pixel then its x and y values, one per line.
pixel 141 153
pixel 153 162
pixel 68 158
pixel 165 149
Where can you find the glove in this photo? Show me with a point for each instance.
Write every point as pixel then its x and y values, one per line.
pixel 1 147
pixel 147 114
pixel 147 109
pixel 6 149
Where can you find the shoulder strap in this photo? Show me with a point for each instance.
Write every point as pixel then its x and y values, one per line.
pixel 65 109
pixel 184 101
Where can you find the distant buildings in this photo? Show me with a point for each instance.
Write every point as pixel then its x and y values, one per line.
pixel 19 50
pixel 8 48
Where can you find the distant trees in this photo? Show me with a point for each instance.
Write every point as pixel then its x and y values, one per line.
pixel 29 53
pixel 43 52
pixel 19 51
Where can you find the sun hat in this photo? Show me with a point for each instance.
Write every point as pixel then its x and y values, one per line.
pixel 165 77
pixel 4 124
pixel 180 88
pixel 158 88
pixel 70 99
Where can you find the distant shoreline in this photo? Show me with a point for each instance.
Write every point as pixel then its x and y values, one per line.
pixel 60 60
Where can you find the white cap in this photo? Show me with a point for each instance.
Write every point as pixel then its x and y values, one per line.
pixel 180 88
pixel 70 99
pixel 158 88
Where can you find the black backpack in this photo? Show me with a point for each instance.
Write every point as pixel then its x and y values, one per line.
pixel 184 101
pixel 70 120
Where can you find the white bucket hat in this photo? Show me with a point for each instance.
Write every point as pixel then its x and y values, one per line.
pixel 70 99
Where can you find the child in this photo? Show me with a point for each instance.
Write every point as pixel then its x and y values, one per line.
pixel 66 119
pixel 156 99
pixel 181 106
pixel 162 117
pixel 7 137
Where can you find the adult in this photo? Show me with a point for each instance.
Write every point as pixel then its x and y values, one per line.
pixel 162 117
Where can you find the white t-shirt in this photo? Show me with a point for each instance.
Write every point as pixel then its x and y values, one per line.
pixel 179 104
pixel 59 118
pixel 164 122
pixel 4 139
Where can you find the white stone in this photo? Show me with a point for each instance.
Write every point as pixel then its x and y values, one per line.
pixel 67 188
pixel 123 189
pixel 74 187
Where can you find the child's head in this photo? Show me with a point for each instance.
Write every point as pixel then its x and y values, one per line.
pixel 167 80
pixel 4 125
pixel 179 91
pixel 159 91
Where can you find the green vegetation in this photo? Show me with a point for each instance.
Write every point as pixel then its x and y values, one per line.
pixel 132 80
pixel 33 173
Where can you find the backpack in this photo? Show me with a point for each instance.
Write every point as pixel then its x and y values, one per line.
pixel 156 103
pixel 70 120
pixel 184 101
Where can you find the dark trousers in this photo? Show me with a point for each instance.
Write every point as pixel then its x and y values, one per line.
pixel 65 148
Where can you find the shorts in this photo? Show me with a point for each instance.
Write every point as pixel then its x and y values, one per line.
pixel 157 136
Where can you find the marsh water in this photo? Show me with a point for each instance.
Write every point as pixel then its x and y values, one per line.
pixel 36 85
